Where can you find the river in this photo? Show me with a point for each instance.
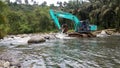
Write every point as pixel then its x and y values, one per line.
pixel 67 53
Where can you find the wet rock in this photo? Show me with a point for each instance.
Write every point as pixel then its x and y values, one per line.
pixel 36 39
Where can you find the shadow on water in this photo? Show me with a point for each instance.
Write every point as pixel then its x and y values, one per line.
pixel 71 53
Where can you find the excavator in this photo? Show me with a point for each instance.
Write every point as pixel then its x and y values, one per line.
pixel 80 27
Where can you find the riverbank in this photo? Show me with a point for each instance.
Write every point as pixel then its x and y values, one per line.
pixel 42 37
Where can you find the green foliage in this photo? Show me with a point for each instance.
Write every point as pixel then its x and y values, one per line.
pixel 17 22
pixel 104 14
pixel 3 20
pixel 29 19
pixel 24 18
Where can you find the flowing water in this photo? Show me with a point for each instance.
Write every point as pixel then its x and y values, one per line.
pixel 68 53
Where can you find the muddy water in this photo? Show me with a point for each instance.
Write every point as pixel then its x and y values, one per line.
pixel 67 53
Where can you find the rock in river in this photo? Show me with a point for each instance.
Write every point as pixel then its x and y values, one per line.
pixel 36 39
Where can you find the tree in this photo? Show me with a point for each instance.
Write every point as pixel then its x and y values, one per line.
pixel 60 5
pixel 44 4
pixel 7 1
pixel 104 12
pixel 26 2
pixel 19 1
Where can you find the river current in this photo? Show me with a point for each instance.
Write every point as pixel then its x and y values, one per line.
pixel 67 53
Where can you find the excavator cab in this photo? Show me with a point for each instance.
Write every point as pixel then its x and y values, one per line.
pixel 86 27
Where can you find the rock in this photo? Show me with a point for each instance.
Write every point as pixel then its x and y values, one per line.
pixel 36 39
pixel 47 37
pixel 107 31
pixel 84 35
pixel 1 63
pixel 102 34
pixel 12 67
pixel 116 34
pixel 81 35
pixel 6 64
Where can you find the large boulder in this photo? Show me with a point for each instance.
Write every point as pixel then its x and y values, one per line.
pixel 36 39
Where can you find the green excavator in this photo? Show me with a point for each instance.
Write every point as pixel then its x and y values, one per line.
pixel 80 27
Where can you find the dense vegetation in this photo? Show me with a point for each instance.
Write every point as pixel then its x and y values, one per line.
pixel 16 18
pixel 21 18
